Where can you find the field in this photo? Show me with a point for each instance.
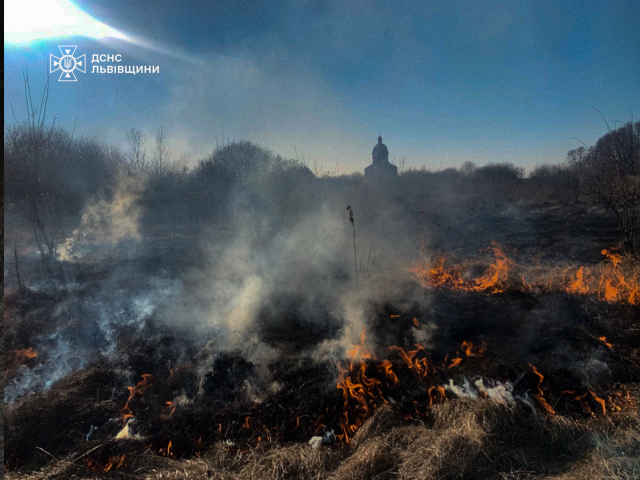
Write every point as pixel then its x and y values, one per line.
pixel 471 340
pixel 215 267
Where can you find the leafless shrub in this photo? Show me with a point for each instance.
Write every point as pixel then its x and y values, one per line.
pixel 38 147
pixel 137 152
pixel 610 175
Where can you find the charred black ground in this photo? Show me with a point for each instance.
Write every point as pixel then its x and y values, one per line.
pixel 232 400
pixel 237 321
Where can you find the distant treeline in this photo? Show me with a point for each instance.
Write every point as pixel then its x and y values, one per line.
pixel 50 175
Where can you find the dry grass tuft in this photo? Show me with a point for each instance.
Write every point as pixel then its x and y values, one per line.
pixel 478 439
pixel 383 421
pixel 289 462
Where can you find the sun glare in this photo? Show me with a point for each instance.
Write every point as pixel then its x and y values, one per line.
pixel 31 20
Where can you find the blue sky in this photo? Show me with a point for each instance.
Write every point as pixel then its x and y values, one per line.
pixel 444 82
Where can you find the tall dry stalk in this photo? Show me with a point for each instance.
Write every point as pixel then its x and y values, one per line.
pixel 355 254
pixel 15 256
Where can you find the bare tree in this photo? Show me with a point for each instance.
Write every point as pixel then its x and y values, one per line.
pixel 137 152
pixel 39 148
pixel 576 164
pixel 612 179
pixel 161 155
pixel 401 163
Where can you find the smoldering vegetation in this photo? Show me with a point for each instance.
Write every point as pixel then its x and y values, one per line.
pixel 227 320
pixel 462 439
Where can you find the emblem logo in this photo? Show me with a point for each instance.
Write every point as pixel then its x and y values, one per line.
pixel 67 63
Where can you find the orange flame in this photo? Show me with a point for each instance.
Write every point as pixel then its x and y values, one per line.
pixel 578 285
pixel 609 284
pixel 114 463
pixel 615 258
pixel 470 350
pixel 603 339
pixel 419 366
pixel 455 362
pixel 496 276
pixel 439 391
pixel 359 352
pixel 169 410
pixel 582 399
pixel 26 353
pixel 540 395
pixel 609 281
pixel 583 402
pixel 362 393
pixel 494 280
pixel 439 276
pixel 600 401
pixel 359 391
pixel 140 389
pixel 385 367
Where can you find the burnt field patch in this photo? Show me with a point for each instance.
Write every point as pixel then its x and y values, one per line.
pixel 257 353
pixel 435 377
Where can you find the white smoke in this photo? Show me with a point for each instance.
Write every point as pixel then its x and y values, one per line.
pixel 106 221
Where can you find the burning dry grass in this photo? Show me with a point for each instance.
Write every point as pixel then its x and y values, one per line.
pixel 393 404
pixel 393 416
pixel 616 279
pixel 460 439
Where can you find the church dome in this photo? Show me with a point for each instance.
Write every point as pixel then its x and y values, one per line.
pixel 380 169
pixel 380 152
